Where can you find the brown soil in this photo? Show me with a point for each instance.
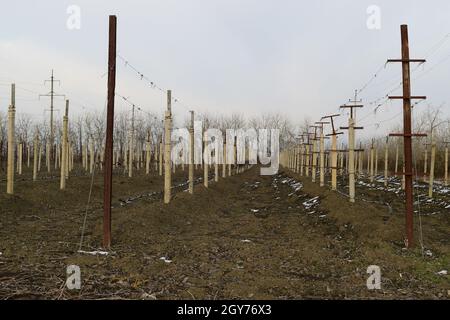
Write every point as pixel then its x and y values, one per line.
pixel 248 236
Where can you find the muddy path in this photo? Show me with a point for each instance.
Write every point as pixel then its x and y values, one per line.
pixel 248 236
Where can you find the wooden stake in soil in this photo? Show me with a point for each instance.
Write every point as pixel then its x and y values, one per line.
pixel 92 155
pixel 372 162
pixel 396 160
pixel 432 162
pixel 205 163
pixel 147 155
pixel 167 149
pixel 35 155
pixel 40 157
pixel 161 152
pixel 446 164
pixel 425 161
pixel 11 143
pixel 224 166
pixel 20 160
pixel 386 162
pixel 191 154
pixel 62 184
pixel 28 155
pixel 321 153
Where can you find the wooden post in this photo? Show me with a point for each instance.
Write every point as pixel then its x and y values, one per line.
pixel 372 162
pixel 62 184
pixel 167 149
pixel 147 155
pixel 216 166
pixel 396 160
pixel 28 155
pixel 376 160
pixel 92 155
pixel 205 163
pixel 47 155
pixel 351 159
pixel 425 162
pixel 191 155
pixel 35 155
pixel 446 165
pixel 334 162
pixel 20 161
pixel 361 162
pixel 368 162
pixel 131 153
pixel 307 158
pixel 314 159
pixel 322 159
pixel 224 166
pixel 11 143
pixel 40 157
pixel 432 162
pixel 64 156
pixel 386 171
pixel 161 152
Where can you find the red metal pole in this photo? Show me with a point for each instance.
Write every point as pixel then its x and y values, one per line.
pixel 407 137
pixel 109 133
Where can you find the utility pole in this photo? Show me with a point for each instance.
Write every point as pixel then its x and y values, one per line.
pixel 51 94
pixel 109 132
pixel 333 150
pixel 351 143
pixel 407 134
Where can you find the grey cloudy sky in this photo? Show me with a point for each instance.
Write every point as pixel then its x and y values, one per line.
pixel 301 58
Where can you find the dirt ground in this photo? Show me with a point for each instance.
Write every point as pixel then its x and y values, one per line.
pixel 245 237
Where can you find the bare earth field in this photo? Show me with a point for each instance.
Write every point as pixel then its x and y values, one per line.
pixel 246 237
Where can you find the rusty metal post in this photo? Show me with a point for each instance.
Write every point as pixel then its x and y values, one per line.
pixel 109 132
pixel 407 133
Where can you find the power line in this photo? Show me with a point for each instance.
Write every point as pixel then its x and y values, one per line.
pixel 152 84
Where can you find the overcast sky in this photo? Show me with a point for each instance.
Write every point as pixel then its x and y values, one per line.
pixel 301 58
